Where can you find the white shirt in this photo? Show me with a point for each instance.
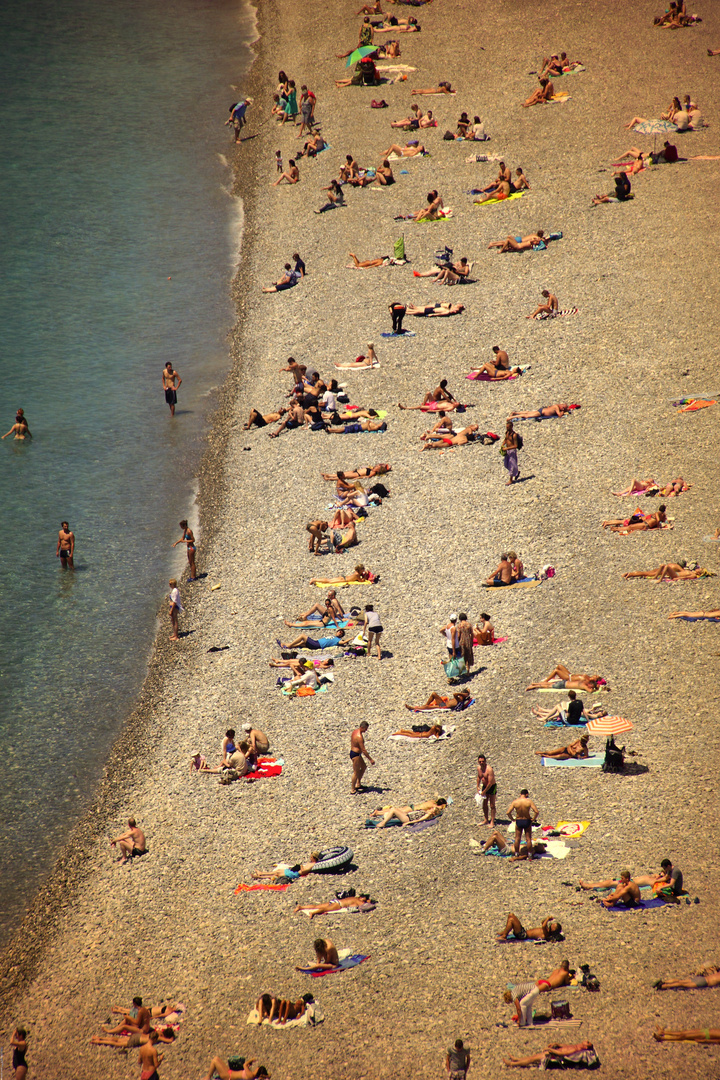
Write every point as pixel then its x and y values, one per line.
pixel 329 401
pixel 310 679
pixel 175 599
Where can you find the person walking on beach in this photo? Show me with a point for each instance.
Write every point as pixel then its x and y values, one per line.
pixel 465 637
pixel 132 842
pixel 397 312
pixel 188 539
pixel 372 629
pixel 307 109
pixel 486 787
pixel 457 1061
pixel 524 813
pixel 511 444
pixel 357 753
pixel 175 608
pixel 149 1058
pixel 65 549
pixel 170 382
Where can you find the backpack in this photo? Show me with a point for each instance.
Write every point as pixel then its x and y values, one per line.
pixel 520 441
pixel 614 757
pixel 560 1010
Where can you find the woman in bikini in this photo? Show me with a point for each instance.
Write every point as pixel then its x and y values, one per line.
pixel 362 473
pixel 574 751
pixel 362 903
pixel 410 814
pixel 434 732
pixel 188 539
pixel 437 701
pixel 358 574
pixel 670 572
pixel 638 522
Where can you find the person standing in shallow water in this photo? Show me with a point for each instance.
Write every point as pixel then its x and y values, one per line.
pixel 19 1045
pixel 170 381
pixel 188 539
pixel 65 549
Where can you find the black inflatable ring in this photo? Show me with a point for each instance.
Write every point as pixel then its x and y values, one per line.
pixel 332 859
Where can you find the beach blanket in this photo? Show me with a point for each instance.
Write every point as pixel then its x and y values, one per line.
pixel 405 333
pixel 562 690
pixel 260 888
pixel 333 624
pixel 544 315
pixel 559 851
pixel 699 618
pixel 559 97
pixel 445 213
pixel 307 691
pixel 397 157
pixel 264 771
pixel 493 202
pixel 523 583
pixel 696 403
pixel 593 762
pixel 497 641
pixel 487 378
pixel 312 1016
pixel 445 734
pixel 345 964
pixel 461 707
pixel 394 67
pixel 572 828
pixel 580 728
pixel 642 905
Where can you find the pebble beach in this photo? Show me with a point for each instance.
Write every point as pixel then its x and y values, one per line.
pixel 644 278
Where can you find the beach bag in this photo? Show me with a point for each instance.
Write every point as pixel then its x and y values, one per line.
pixel 381 490
pixel 614 757
pixel 344 894
pixel 560 1010
pixel 455 667
pixel 449 137
pixel 399 248
pixel 520 440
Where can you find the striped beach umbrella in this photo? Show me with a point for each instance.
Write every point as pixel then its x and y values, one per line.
pixel 609 725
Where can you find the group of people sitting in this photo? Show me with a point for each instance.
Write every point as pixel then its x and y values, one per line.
pixel 504 185
pixel 668 884
pixel 241 758
pixel 555 65
pixel 675 16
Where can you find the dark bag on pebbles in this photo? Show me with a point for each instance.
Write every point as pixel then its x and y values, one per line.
pixel 560 1010
pixel 614 757
pixel 344 894
pixel 381 490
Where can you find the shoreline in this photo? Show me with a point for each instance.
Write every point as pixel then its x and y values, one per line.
pixel 434 883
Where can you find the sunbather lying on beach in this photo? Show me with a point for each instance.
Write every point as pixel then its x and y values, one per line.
pixel 695 614
pixel 650 487
pixel 411 814
pixel 358 574
pixel 300 668
pixel 272 1008
pixel 361 473
pixel 369 264
pixel 554 1056
pixel 304 641
pixel 519 243
pixel 549 930
pixel 405 151
pixel 708 975
pixel 671 572
pixel 258 419
pixel 639 522
pixel 637 487
pixel 357 426
pixel 560 409
pixel 464 436
pixel 417 120
pixel 586 712
pixel 441 88
pixel 128 1042
pixel 326 955
pixel 497 840
pixel 574 751
pixel 437 701
pixel 432 733
pixel 699 1035
pixel 456 272
pixel 287 873
pixel 561 679
pixel 436 310
pixel 549 308
pixel 360 902
pixel 542 95
pixel 249 1071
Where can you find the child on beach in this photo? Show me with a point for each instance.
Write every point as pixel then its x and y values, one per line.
pixel 279 161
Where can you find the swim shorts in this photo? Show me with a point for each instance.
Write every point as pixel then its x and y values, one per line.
pixel 171 397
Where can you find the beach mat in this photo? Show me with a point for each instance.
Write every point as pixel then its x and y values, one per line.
pixel 260 888
pixel 356 367
pixel 524 583
pixel 650 902
pixel 494 202
pixel 405 333
pixel 417 826
pixel 487 378
pixel 593 762
pixel 580 728
pixel 344 965
pixel 562 690
pixel 565 311
pixel 698 618
pixel 449 708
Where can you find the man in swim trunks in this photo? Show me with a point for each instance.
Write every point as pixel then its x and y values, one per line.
pixel 329 611
pixel 626 891
pixel 499 367
pixel 486 787
pixel 503 574
pixel 524 995
pixel 524 813
pixel 549 308
pixel 549 930
pixel 137 1023
pixel 306 642
pixel 149 1058
pixel 357 752
pixel 65 549
pixel 285 874
pixel 132 842
pixel 170 383
pixel 711 977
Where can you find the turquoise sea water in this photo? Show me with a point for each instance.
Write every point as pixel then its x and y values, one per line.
pixel 118 244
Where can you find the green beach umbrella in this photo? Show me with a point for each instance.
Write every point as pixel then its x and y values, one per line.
pixel 360 54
